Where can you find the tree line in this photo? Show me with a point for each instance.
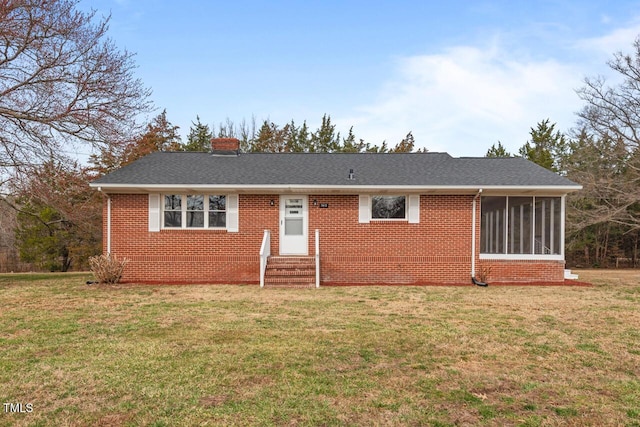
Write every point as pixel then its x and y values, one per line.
pixel 269 137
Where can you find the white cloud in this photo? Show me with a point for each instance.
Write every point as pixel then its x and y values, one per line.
pixel 620 39
pixel 467 98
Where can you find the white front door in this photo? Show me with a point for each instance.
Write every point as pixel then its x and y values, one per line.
pixel 294 224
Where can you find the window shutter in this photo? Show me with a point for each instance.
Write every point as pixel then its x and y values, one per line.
pixel 364 216
pixel 154 212
pixel 414 209
pixel 232 213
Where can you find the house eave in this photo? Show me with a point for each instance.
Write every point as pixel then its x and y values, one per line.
pixel 337 189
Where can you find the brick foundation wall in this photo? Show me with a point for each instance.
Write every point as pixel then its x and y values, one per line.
pixel 512 271
pixel 437 250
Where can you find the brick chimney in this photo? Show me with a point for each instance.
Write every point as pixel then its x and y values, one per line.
pixel 225 144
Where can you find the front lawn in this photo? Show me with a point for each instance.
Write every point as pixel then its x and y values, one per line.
pixel 73 354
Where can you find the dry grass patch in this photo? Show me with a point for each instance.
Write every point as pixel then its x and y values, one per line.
pixel 238 355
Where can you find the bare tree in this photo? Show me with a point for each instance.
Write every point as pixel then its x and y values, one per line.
pixel 605 156
pixel 62 81
pixel 613 112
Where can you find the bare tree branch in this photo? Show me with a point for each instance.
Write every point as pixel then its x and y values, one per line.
pixel 62 80
pixel 605 157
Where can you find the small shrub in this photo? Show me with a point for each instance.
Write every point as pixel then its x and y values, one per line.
pixel 484 273
pixel 107 268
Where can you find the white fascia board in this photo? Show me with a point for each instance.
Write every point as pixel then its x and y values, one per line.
pixel 344 189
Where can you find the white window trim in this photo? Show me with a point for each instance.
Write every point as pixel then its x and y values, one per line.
pixel 531 257
pixel 154 212
pixel 413 208
pixel 233 219
pixel 183 211
pixel 364 209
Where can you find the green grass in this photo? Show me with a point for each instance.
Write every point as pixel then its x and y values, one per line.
pixel 32 277
pixel 237 355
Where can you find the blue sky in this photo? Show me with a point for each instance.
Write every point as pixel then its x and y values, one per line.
pixel 461 75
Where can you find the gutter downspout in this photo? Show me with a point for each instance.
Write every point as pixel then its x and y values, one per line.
pixel 108 220
pixel 473 242
pixel 108 225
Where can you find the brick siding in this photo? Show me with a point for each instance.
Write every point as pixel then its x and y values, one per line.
pixel 437 250
pixel 516 272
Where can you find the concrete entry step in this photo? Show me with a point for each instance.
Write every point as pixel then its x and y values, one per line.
pixel 569 275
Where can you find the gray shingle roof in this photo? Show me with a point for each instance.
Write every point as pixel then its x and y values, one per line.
pixel 316 169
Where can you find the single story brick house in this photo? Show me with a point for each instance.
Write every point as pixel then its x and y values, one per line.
pixel 334 219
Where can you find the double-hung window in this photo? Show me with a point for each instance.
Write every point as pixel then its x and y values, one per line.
pixel 217 211
pixel 173 210
pixel 194 211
